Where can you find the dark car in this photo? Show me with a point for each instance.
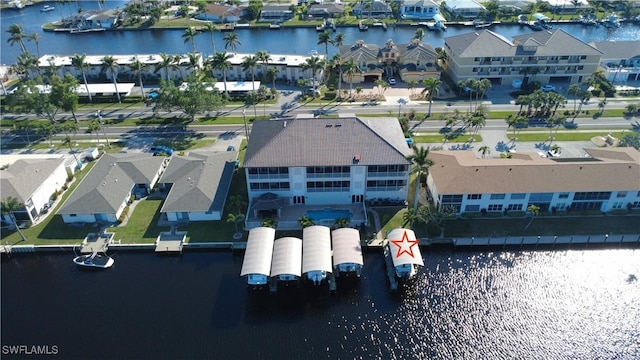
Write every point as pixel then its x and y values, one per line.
pixel 157 150
pixel 231 148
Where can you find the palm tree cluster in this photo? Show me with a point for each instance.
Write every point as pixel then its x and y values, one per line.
pixel 475 87
pixel 540 104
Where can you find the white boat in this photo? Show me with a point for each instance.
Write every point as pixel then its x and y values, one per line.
pixel 47 8
pixel 94 260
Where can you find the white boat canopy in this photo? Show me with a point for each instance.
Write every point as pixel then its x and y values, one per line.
pixel 287 257
pixel 404 247
pixel 257 257
pixel 316 249
pixel 346 246
pixel 541 17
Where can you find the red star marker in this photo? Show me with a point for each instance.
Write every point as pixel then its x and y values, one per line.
pixel 405 245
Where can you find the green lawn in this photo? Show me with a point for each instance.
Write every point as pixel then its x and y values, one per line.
pixel 562 136
pixel 142 224
pixel 439 138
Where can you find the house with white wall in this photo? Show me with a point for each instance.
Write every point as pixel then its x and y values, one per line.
pixel 606 179
pixel 198 184
pixel 106 190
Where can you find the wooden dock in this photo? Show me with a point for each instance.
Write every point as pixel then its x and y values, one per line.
pixel 391 271
pixel 171 242
pixel 96 242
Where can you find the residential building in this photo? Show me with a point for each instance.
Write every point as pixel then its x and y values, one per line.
pixel 332 10
pixel 107 189
pixel 197 184
pixel 410 61
pixel 545 56
pixel 375 9
pixel 34 180
pixel 468 9
pixel 221 13
pixel 606 179
pixel 419 9
pixel 620 60
pixel 339 163
pixel 276 13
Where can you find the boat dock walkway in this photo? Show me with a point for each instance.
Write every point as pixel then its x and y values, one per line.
pixel 171 241
pixel 391 272
pixel 610 239
pixel 96 242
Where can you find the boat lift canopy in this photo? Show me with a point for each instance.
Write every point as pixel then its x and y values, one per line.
pixel 540 17
pixel 287 257
pixel 316 249
pixel 259 253
pixel 404 247
pixel 346 246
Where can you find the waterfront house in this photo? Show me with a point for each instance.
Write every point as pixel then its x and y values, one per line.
pixel 545 56
pixel 468 9
pixel 197 184
pixel 276 13
pixel 606 179
pixel 372 10
pixel 35 181
pixel 222 13
pixel 92 20
pixel 328 165
pixel 411 61
pixel 323 11
pixel 109 187
pixel 620 60
pixel 419 9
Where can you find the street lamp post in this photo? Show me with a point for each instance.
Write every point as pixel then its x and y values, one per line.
pixel 401 101
pixel 246 129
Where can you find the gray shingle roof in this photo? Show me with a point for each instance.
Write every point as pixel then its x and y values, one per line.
pixel 326 142
pixel 417 51
pixel 22 178
pixel 360 52
pixel 618 49
pixel 550 43
pixel 200 181
pixel 104 189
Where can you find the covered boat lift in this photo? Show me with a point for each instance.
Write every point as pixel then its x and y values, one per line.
pixel 316 253
pixel 404 252
pixel 286 264
pixel 347 251
pixel 256 265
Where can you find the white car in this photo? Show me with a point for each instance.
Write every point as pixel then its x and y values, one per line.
pixel 547 88
pixel 392 81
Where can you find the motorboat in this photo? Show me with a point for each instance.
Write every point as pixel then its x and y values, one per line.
pixel 47 8
pixel 362 26
pixel 94 260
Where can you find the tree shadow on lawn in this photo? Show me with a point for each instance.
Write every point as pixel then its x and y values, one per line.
pixel 56 229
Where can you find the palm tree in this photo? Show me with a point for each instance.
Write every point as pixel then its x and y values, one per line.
pixel 166 62
pixel 305 221
pixel 67 141
pixel 419 34
pixel 484 150
pixel 111 65
pixel 350 69
pixel 421 163
pixel 341 223
pixel 189 35
pixel 211 28
pixel 535 211
pixel 409 218
pixel 221 62
pixel 313 63
pixel 78 61
pixel 231 41
pixel 325 38
pixel 272 74
pixel 235 218
pixel 8 206
pixel 337 42
pixel 249 63
pixel 138 68
pixel 35 37
pixel 16 36
pixel 431 88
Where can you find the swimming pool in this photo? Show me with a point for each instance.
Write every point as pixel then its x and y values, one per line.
pixel 328 214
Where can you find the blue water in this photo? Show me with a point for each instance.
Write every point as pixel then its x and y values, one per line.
pixel 328 214
pixel 284 41
pixel 563 304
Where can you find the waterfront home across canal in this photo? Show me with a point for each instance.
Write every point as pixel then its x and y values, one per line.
pixel 258 256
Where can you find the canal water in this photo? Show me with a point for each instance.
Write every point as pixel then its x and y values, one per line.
pixel 283 41
pixel 563 304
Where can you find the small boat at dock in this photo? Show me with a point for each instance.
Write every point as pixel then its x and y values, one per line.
pixel 94 261
pixel 362 26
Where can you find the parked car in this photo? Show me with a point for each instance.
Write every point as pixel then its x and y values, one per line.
pixel 548 88
pixel 392 81
pixel 231 148
pixel 157 150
